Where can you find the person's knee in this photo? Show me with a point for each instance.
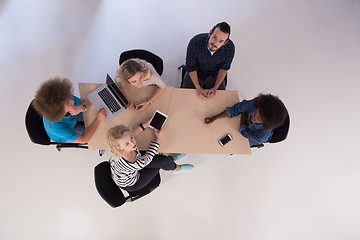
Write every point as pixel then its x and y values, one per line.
pixel 167 162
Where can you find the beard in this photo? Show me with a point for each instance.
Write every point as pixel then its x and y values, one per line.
pixel 212 47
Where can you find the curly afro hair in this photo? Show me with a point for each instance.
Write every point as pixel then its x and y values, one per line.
pixel 272 110
pixel 51 98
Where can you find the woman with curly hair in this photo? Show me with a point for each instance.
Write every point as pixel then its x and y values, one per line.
pixel 259 117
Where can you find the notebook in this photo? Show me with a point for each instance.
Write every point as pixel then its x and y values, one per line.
pixel 109 97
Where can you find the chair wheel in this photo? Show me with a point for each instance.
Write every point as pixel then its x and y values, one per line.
pixel 101 152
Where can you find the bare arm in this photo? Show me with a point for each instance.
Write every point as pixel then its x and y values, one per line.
pixel 143 105
pixel 137 129
pixel 89 131
pixel 81 108
pixel 157 93
pixel 209 120
pixel 199 91
pixel 219 79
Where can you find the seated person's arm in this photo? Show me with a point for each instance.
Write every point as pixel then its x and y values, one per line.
pixel 191 65
pixel 145 159
pixel 85 102
pixel 137 129
pixel 143 105
pixel 233 111
pixel 157 93
pixel 253 136
pixel 199 91
pixel 223 114
pixel 80 108
pixel 90 130
pixel 219 79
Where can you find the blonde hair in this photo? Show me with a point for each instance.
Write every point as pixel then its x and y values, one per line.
pixel 112 138
pixel 129 68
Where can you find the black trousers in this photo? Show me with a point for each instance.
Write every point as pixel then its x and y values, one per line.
pixel 148 173
pixel 205 83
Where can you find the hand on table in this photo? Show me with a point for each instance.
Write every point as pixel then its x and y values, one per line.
pixel 141 106
pixel 201 93
pixel 209 120
pixel 211 93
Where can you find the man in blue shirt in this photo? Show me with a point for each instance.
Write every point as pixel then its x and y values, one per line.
pixel 208 58
pixel 259 117
pixel 62 112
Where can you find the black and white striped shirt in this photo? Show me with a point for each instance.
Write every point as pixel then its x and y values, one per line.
pixel 125 173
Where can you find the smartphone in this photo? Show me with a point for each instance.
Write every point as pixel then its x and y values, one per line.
pixel 158 120
pixel 225 140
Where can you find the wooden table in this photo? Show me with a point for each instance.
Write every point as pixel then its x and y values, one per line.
pixel 185 130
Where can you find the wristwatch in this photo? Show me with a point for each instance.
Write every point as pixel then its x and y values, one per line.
pixel 142 126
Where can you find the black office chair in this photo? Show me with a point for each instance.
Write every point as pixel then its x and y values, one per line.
pixel 155 60
pixel 279 135
pixel 183 71
pixel 37 134
pixel 111 193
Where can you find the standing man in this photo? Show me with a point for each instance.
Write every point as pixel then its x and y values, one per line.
pixel 208 58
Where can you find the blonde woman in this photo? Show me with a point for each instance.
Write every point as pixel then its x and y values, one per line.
pixel 132 171
pixel 139 73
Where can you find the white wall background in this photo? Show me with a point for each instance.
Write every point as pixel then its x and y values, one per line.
pixel 308 187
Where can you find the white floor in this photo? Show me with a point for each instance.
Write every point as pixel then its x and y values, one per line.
pixel 308 187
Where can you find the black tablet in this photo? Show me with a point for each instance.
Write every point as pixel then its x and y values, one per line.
pixel 158 120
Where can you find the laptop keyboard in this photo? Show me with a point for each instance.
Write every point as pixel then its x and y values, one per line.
pixel 109 100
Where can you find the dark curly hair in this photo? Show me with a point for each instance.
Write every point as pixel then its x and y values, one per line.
pixel 51 98
pixel 272 110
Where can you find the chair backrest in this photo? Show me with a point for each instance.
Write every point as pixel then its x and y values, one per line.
pixel 35 126
pixel 280 133
pixel 111 193
pixel 106 187
pixel 155 60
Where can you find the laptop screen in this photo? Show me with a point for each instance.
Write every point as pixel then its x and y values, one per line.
pixel 116 91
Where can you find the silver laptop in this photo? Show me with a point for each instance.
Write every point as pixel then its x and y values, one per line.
pixel 109 97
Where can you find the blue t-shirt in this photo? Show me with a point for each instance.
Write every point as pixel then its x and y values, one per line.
pixel 63 130
pixel 254 132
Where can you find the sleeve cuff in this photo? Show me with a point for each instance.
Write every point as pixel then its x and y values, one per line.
pixel 228 112
pixel 243 127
